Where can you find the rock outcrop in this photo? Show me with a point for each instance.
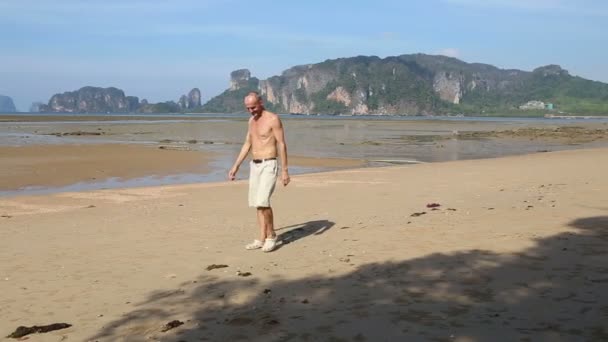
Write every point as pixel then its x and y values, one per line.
pixel 92 100
pixel 7 105
pixel 239 78
pixel 113 100
pixel 35 106
pixel 447 86
pixel 194 98
pixel 532 105
pixel 183 102
pixel 191 101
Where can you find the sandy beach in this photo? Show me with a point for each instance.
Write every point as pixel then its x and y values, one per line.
pixel 516 248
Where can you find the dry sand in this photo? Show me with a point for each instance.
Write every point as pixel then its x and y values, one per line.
pixel 516 251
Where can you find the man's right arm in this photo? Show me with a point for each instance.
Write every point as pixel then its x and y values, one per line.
pixel 242 155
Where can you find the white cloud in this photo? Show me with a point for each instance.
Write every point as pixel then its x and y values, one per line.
pixel 259 33
pixel 137 14
pixel 73 66
pixel 389 35
pixel 96 6
pixel 522 4
pixel 571 7
pixel 449 52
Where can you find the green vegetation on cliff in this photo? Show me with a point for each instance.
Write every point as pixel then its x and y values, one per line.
pixel 91 100
pixel 231 101
pixel 415 84
pixel 418 85
pixel 113 100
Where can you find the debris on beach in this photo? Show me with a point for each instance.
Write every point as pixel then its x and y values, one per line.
pixel 214 266
pixel 418 214
pixel 175 148
pixel 22 330
pixel 271 322
pixel 433 205
pixel 243 274
pixel 6 216
pixel 62 134
pixel 239 321
pixel 171 325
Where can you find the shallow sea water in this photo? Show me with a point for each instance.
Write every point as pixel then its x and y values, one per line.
pixel 378 141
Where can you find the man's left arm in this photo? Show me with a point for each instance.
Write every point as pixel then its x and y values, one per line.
pixel 279 135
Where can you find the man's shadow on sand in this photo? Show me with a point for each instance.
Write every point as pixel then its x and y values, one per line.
pixel 298 231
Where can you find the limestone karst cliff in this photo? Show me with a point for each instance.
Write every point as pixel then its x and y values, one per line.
pixel 415 84
pixel 114 100
pixel 6 104
pixel 91 100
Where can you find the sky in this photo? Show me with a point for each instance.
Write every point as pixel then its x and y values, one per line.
pixel 159 50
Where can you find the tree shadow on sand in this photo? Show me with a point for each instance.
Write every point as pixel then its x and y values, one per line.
pixel 556 290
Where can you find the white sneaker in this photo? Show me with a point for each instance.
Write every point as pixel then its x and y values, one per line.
pixel 269 245
pixel 254 245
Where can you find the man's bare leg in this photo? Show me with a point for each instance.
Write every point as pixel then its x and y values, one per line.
pixel 261 224
pixel 269 217
pixel 266 223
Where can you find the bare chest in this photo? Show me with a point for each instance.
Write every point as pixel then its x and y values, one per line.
pixel 260 130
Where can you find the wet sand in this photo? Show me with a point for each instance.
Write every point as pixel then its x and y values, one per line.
pixel 60 165
pixel 38 167
pixel 452 251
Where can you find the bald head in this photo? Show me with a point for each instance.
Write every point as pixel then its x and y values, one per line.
pixel 253 103
pixel 253 95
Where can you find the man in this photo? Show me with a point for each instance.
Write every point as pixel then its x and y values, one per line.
pixel 265 139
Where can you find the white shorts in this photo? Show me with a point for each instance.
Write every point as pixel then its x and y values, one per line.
pixel 262 179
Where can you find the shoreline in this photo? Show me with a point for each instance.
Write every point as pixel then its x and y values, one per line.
pixel 105 171
pixel 45 169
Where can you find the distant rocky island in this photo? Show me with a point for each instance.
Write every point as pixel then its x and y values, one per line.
pixel 114 100
pixel 415 84
pixel 7 105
